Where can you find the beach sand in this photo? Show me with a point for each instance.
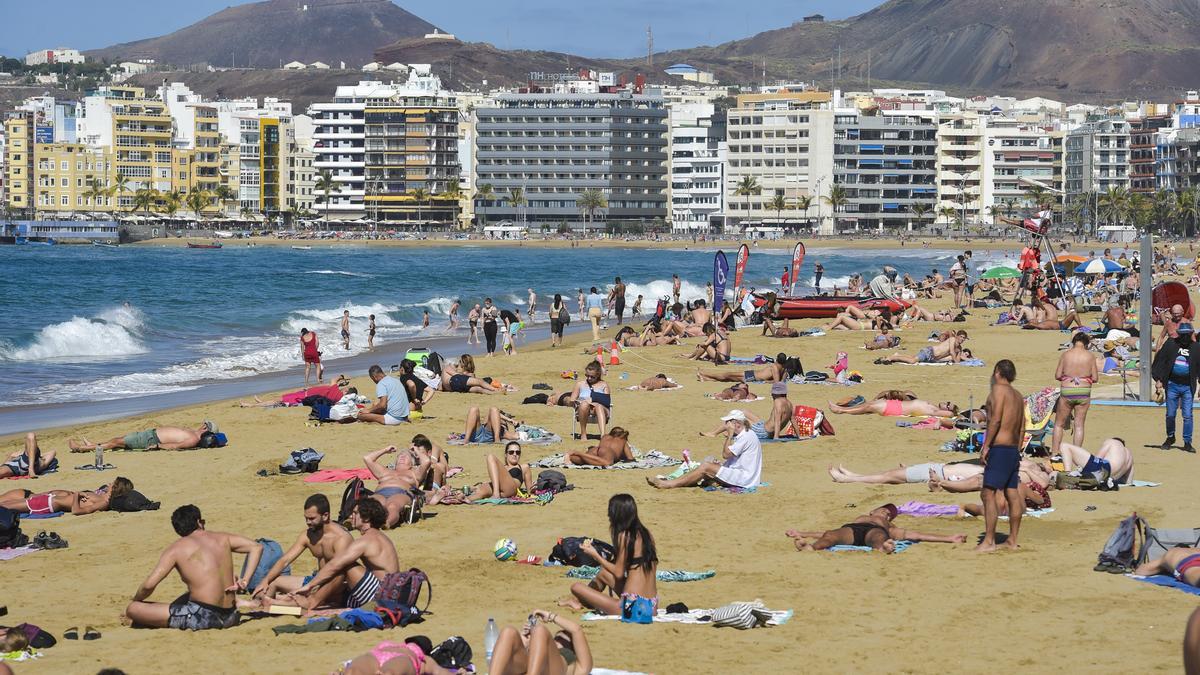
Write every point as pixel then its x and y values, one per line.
pixel 935 607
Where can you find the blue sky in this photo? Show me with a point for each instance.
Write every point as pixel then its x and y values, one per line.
pixel 615 28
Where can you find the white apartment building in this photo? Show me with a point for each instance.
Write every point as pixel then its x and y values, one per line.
pixel 1096 157
pixel 1017 156
pixel 57 55
pixel 784 142
pixel 960 170
pixel 697 152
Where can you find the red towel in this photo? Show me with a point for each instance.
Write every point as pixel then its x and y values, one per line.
pixel 337 475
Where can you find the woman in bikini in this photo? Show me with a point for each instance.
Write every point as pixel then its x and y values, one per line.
pixel 592 397
pixel 410 657
pixel 738 392
pixel 65 501
pixel 462 380
pixel 613 448
pixel 506 477
pixel 895 408
pixel 491 429
pixel 716 347
pixel 632 576
pixel 875 530
pixel 532 649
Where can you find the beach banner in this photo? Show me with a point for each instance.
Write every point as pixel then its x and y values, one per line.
pixel 797 261
pixel 739 271
pixel 720 276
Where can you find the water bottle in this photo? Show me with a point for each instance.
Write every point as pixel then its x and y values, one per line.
pixel 490 635
pixel 99 461
pixel 687 460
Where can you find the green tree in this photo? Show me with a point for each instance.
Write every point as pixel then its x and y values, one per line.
pixel 484 193
pixel 171 202
pixel 326 186
pixel 804 203
pixel 1114 206
pixel 516 199
pixel 145 199
pixel 120 186
pixel 837 200
pixel 224 195
pixel 921 210
pixel 420 196
pixel 778 204
pixel 590 201
pixel 1187 208
pixel 1163 205
pixel 454 193
pixel 94 193
pixel 747 187
pixel 197 201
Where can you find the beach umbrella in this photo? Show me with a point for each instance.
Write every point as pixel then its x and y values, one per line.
pixel 1001 272
pixel 1099 266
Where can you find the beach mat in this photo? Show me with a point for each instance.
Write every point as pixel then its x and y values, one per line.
pixel 745 400
pixel 735 490
pixel 695 616
pixel 650 460
pixel 39 516
pixel 901 546
pixel 10 553
pixel 1167 582
pixel 537 436
pixel 540 499
pixel 589 572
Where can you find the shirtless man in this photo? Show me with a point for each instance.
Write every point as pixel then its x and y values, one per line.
pixel 916 312
pixel 376 553
pixel 1170 328
pixel 613 448
pixel 1034 490
pixel 532 305
pixel 1183 563
pixel 949 350
pixel 397 485
pixel 701 314
pixel 884 340
pixel 204 561
pixel 1021 314
pixel 897 408
pixel 1113 456
pixel 770 372
pixel 1069 318
pixel 159 438
pixel 322 538
pixel 65 501
pixel 876 529
pixel 346 329
pixel 29 461
pixel 454 317
pixel 676 286
pixel 1076 374
pixel 1001 456
pixel 778 423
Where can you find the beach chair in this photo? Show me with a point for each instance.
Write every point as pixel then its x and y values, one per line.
pixel 591 420
pixel 1039 419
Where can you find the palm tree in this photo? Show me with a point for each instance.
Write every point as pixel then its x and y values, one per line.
pixel 224 196
pixel 94 192
pixel 590 201
pixel 197 201
pixel 326 185
pixel 1114 205
pixel 1187 205
pixel 484 193
pixel 949 213
pixel 453 192
pixel 920 210
pixel 120 186
pixel 836 199
pixel 1139 210
pixel 777 204
pixel 146 198
pixel 420 196
pixel 804 203
pixel 1038 196
pixel 1164 208
pixel 516 199
pixel 172 201
pixel 746 187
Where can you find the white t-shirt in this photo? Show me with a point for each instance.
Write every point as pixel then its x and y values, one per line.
pixel 744 469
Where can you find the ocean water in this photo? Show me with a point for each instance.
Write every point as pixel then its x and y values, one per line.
pixel 89 324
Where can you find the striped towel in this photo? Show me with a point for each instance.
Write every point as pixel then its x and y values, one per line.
pixel 695 616
pixel 540 499
pixel 589 572
pixel 901 547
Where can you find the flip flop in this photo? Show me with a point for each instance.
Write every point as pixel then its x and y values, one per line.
pixel 90 633
pixel 71 633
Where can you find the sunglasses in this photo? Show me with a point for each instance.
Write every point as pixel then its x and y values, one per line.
pixel 513 452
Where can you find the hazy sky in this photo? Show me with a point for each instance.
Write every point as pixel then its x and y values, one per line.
pixel 616 28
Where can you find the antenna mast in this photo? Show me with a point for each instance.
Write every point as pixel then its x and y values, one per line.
pixel 649 47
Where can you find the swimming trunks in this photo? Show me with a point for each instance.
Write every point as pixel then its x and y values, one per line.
pixel 1001 471
pixel 893 408
pixel 141 440
pixel 919 473
pixel 925 355
pixel 390 421
pixel 19 465
pixel 861 530
pixel 458 383
pixel 364 591
pixel 748 376
pixel 40 505
pixel 345 334
pixel 387 492
pixel 1186 564
pixel 1074 391
pixel 760 429
pixel 188 614
pixel 1097 464
pixel 483 435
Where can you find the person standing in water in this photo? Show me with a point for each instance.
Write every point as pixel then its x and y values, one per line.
pixel 424 320
pixel 454 318
pixel 617 295
pixel 473 321
pixel 676 287
pixel 818 272
pixel 371 333
pixel 346 329
pixel 310 353
pixel 532 305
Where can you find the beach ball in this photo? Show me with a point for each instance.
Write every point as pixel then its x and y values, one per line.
pixel 505 549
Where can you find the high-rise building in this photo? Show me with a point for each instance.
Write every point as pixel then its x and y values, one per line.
pixel 553 147
pixel 1096 159
pixel 781 144
pixel 1018 159
pixel 960 172
pixel 391 150
pixel 19 176
pixel 1143 143
pixel 886 164
pixel 65 176
pixel 140 132
pixel 698 152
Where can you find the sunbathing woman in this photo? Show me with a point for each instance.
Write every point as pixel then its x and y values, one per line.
pixel 770 372
pixel 400 484
pixel 875 530
pixel 716 347
pixel 656 383
pixel 884 340
pixel 495 428
pixel 632 577
pixel 1036 482
pixel 533 649
pixel 410 657
pixel 65 501
pixel 592 397
pixel 613 448
pixel 505 477
pixel 29 461
pixel 738 392
pixel 846 321
pixel 894 408
pixel 462 380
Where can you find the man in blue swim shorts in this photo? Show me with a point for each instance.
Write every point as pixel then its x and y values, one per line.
pixel 1001 456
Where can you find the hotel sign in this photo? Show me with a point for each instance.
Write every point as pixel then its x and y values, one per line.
pixel 552 77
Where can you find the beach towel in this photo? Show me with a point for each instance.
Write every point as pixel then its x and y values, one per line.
pixel 589 572
pixel 695 616
pixel 1141 483
pixel 926 510
pixel 29 656
pixel 10 553
pixel 735 490
pixel 541 499
pixel 530 435
pixel 796 379
pixel 756 360
pixel 39 516
pixel 609 671
pixel 970 363
pixel 1168 582
pixel 926 423
pixel 650 460
pixel 745 400
pixel 675 386
pixel 901 546
pixel 338 475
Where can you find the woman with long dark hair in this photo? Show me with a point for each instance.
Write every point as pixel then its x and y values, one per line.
pixel 489 314
pixel 557 309
pixel 632 576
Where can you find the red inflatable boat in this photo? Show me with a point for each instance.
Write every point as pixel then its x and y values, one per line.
pixel 828 306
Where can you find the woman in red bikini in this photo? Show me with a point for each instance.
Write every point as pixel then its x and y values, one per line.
pixel 310 351
pixel 65 501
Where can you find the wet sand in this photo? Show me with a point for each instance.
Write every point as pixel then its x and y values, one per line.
pixel 935 607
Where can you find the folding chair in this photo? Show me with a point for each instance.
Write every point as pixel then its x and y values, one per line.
pixel 591 420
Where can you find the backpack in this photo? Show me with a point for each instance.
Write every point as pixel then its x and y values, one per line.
pixel 453 653
pixel 320 411
pixel 1120 551
pixel 551 481
pixel 399 593
pixel 568 551
pixel 272 552
pixel 434 363
pixel 660 310
pixel 10 529
pixel 536 399
pixel 1158 541
pixel 355 490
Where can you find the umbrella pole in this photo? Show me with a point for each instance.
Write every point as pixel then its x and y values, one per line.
pixel 1044 240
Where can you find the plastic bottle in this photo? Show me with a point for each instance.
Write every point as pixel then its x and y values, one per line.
pixel 490 635
pixel 687 459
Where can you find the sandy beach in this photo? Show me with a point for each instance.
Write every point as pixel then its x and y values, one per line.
pixel 935 607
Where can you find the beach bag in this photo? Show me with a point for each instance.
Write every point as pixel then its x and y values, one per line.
pixel 807 422
pixel 10 529
pixel 564 317
pixel 536 398
pixel 434 363
pixel 1158 541
pixel 343 410
pixel 399 593
pixel 320 409
pixel 355 490
pixel 568 551
pixel 454 653
pixel 1120 551
pixel 550 481
pixel 636 610
pixel 271 554
pixel 740 615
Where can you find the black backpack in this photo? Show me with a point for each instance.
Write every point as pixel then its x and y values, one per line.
pixel 434 363
pixel 10 529
pixel 453 653
pixel 551 481
pixel 1120 551
pixel 568 551
pixel 355 490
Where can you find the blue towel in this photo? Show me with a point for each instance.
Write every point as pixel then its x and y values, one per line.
pixel 901 547
pixel 1169 582
pixel 734 490
pixel 39 516
pixel 362 619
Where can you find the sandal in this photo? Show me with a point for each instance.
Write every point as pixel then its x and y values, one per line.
pixel 71 633
pixel 90 633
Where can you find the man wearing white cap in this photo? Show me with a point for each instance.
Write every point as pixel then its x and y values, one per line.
pixel 742 465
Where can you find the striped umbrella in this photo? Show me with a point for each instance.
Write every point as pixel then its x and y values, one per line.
pixel 1099 266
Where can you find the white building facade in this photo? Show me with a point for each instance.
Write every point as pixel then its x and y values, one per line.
pixel 697 153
